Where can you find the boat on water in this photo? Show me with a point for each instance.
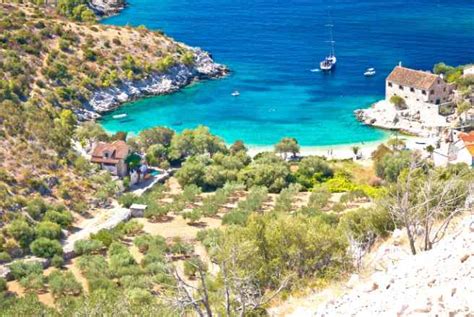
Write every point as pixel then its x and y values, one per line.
pixel 369 72
pixel 330 61
pixel 235 93
pixel 120 116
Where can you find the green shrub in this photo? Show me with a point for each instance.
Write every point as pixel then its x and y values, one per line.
pixel 33 282
pixel 46 248
pixel 209 237
pixel 57 261
pixel 48 229
pixel 63 218
pixel 127 199
pixel 64 284
pixel 339 207
pixel 364 225
pixel 3 284
pixel 319 198
pixel 178 246
pixel 156 211
pixel 190 193
pixel 138 296
pixel 20 269
pixel 132 228
pixel 235 217
pixel 87 247
pixel 154 260
pixel 192 266
pixel 106 237
pixel 146 242
pixel 21 231
pixel 391 165
pixel 284 202
pixel 193 216
pixel 36 208
pixel 5 257
pixel 313 169
pixel 132 281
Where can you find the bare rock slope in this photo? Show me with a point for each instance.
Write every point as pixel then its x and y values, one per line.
pixel 439 282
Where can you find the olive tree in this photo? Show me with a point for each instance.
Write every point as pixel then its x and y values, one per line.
pixel 287 145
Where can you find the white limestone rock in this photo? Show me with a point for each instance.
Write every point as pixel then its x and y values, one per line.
pixel 179 76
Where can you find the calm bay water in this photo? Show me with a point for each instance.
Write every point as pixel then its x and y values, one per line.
pixel 271 46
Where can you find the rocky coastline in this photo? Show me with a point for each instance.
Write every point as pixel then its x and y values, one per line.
pixel 106 8
pixel 178 76
pixel 419 121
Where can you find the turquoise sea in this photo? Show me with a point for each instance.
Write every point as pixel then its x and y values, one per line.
pixel 271 46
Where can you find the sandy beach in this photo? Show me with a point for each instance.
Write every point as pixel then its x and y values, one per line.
pixel 344 151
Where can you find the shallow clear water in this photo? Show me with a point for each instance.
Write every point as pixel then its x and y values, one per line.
pixel 272 45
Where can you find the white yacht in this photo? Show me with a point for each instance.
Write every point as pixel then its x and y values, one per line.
pixel 120 116
pixel 235 93
pixel 330 61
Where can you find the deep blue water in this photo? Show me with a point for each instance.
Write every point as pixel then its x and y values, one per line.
pixel 272 45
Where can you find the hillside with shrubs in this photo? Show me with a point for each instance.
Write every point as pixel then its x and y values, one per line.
pixel 51 61
pixel 57 61
pixel 227 235
pixel 243 233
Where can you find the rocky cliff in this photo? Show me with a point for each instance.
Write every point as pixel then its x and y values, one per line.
pixel 177 77
pixel 107 7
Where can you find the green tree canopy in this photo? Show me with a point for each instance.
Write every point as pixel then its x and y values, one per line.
pixel 287 145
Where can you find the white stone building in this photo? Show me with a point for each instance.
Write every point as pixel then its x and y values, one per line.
pixel 417 87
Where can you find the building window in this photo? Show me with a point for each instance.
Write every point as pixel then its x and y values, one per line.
pixel 444 89
pixel 390 85
pixel 432 92
pixel 412 89
pixel 400 87
pixel 423 92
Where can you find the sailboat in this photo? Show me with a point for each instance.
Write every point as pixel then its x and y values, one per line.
pixel 330 61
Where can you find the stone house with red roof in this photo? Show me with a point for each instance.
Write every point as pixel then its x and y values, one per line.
pixel 111 157
pixel 417 87
pixel 462 149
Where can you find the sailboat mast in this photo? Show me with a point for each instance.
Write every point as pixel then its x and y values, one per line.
pixel 331 37
pixel 331 34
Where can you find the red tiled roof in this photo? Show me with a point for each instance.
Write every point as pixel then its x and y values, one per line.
pixel 468 139
pixel 412 78
pixel 470 148
pixel 117 150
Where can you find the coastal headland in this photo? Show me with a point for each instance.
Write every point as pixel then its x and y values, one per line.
pixel 91 68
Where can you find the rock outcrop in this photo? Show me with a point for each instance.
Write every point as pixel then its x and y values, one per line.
pixel 432 283
pixel 107 7
pixel 177 77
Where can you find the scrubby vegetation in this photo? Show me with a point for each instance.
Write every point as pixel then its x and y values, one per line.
pixel 284 223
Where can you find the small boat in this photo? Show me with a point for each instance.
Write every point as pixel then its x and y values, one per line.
pixel 235 93
pixel 120 116
pixel 330 61
pixel 328 64
pixel 369 72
